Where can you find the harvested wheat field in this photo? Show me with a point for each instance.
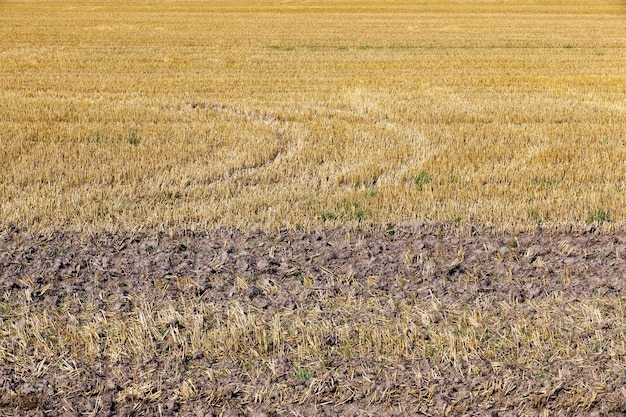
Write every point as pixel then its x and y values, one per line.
pixel 312 208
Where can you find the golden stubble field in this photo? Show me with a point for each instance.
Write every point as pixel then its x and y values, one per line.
pixel 302 114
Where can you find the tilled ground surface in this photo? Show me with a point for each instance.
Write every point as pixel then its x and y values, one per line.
pixel 425 319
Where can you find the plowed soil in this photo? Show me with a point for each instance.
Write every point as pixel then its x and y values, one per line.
pixel 424 319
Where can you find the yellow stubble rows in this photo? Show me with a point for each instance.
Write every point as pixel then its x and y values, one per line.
pixel 309 113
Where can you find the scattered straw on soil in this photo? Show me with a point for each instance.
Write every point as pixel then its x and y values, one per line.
pixel 416 320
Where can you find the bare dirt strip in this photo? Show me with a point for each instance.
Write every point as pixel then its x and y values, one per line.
pixel 424 319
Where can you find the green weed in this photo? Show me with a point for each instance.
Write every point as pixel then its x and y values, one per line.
pixel 422 179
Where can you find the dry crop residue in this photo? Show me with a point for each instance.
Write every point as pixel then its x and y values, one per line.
pixel 314 113
pixel 423 319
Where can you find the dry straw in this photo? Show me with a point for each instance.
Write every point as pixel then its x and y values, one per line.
pixel 120 116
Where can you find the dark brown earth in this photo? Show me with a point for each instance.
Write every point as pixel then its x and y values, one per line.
pixel 110 272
